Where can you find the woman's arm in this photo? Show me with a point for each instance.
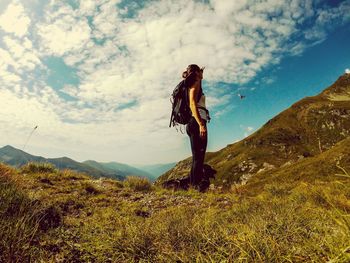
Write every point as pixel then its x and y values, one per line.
pixel 193 94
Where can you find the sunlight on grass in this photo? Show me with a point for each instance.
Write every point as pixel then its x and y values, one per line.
pixel 78 219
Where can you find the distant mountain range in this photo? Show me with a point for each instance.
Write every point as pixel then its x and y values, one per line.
pixel 155 169
pixel 309 128
pixel 16 157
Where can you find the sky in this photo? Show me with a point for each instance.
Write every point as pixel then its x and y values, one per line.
pixel 96 76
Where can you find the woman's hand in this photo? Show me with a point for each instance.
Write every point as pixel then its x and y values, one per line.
pixel 202 131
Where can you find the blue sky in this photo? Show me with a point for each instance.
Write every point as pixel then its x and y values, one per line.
pixel 96 76
pixel 293 79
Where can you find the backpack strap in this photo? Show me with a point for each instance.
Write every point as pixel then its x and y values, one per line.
pixel 172 114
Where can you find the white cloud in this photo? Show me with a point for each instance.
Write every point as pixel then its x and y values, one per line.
pixel 20 55
pixel 6 59
pixel 22 111
pixel 347 71
pixel 326 19
pixel 107 20
pixel 18 61
pixel 226 109
pixel 9 78
pixel 14 19
pixel 183 38
pixel 88 7
pixel 225 8
pixel 63 31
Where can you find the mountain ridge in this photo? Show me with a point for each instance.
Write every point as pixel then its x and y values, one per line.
pixel 16 157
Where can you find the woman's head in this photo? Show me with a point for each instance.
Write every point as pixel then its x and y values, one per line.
pixel 195 69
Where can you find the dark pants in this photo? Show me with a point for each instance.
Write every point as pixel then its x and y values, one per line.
pixel 198 147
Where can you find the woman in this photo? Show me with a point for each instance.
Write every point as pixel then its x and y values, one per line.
pixel 197 126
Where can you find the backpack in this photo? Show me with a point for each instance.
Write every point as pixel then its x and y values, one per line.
pixel 181 112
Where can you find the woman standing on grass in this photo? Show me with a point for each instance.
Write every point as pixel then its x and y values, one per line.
pixel 197 126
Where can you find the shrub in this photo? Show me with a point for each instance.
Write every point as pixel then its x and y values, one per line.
pixel 113 182
pixel 91 189
pixel 33 167
pixel 138 183
pixel 50 217
pixel 72 175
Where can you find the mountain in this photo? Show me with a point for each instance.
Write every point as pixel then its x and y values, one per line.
pixel 308 128
pixel 118 168
pixel 67 163
pixel 17 158
pixel 156 169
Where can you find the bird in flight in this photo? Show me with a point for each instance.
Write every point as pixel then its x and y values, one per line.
pixel 241 96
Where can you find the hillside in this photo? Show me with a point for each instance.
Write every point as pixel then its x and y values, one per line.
pixel 327 167
pixel 16 157
pixel 308 128
pixel 47 215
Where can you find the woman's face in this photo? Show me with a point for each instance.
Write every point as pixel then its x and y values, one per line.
pixel 200 74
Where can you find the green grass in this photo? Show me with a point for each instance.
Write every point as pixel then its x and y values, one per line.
pixel 69 217
pixel 33 167
pixel 138 183
pixel 22 220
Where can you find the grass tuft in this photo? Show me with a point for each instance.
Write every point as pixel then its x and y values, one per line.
pixel 91 189
pixel 34 167
pixel 138 183
pixel 19 221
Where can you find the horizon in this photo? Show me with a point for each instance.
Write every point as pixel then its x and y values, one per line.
pixel 102 162
pixel 96 76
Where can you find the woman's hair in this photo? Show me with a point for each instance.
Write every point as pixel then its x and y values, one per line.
pixel 193 68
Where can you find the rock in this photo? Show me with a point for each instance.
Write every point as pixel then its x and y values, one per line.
pixel 245 177
pixel 287 163
pixel 183 182
pixel 266 167
pixel 142 213
pixel 177 183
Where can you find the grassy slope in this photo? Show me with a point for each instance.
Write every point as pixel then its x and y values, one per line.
pixel 327 167
pixel 133 221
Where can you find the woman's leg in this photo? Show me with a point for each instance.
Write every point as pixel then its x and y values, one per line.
pixel 198 147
